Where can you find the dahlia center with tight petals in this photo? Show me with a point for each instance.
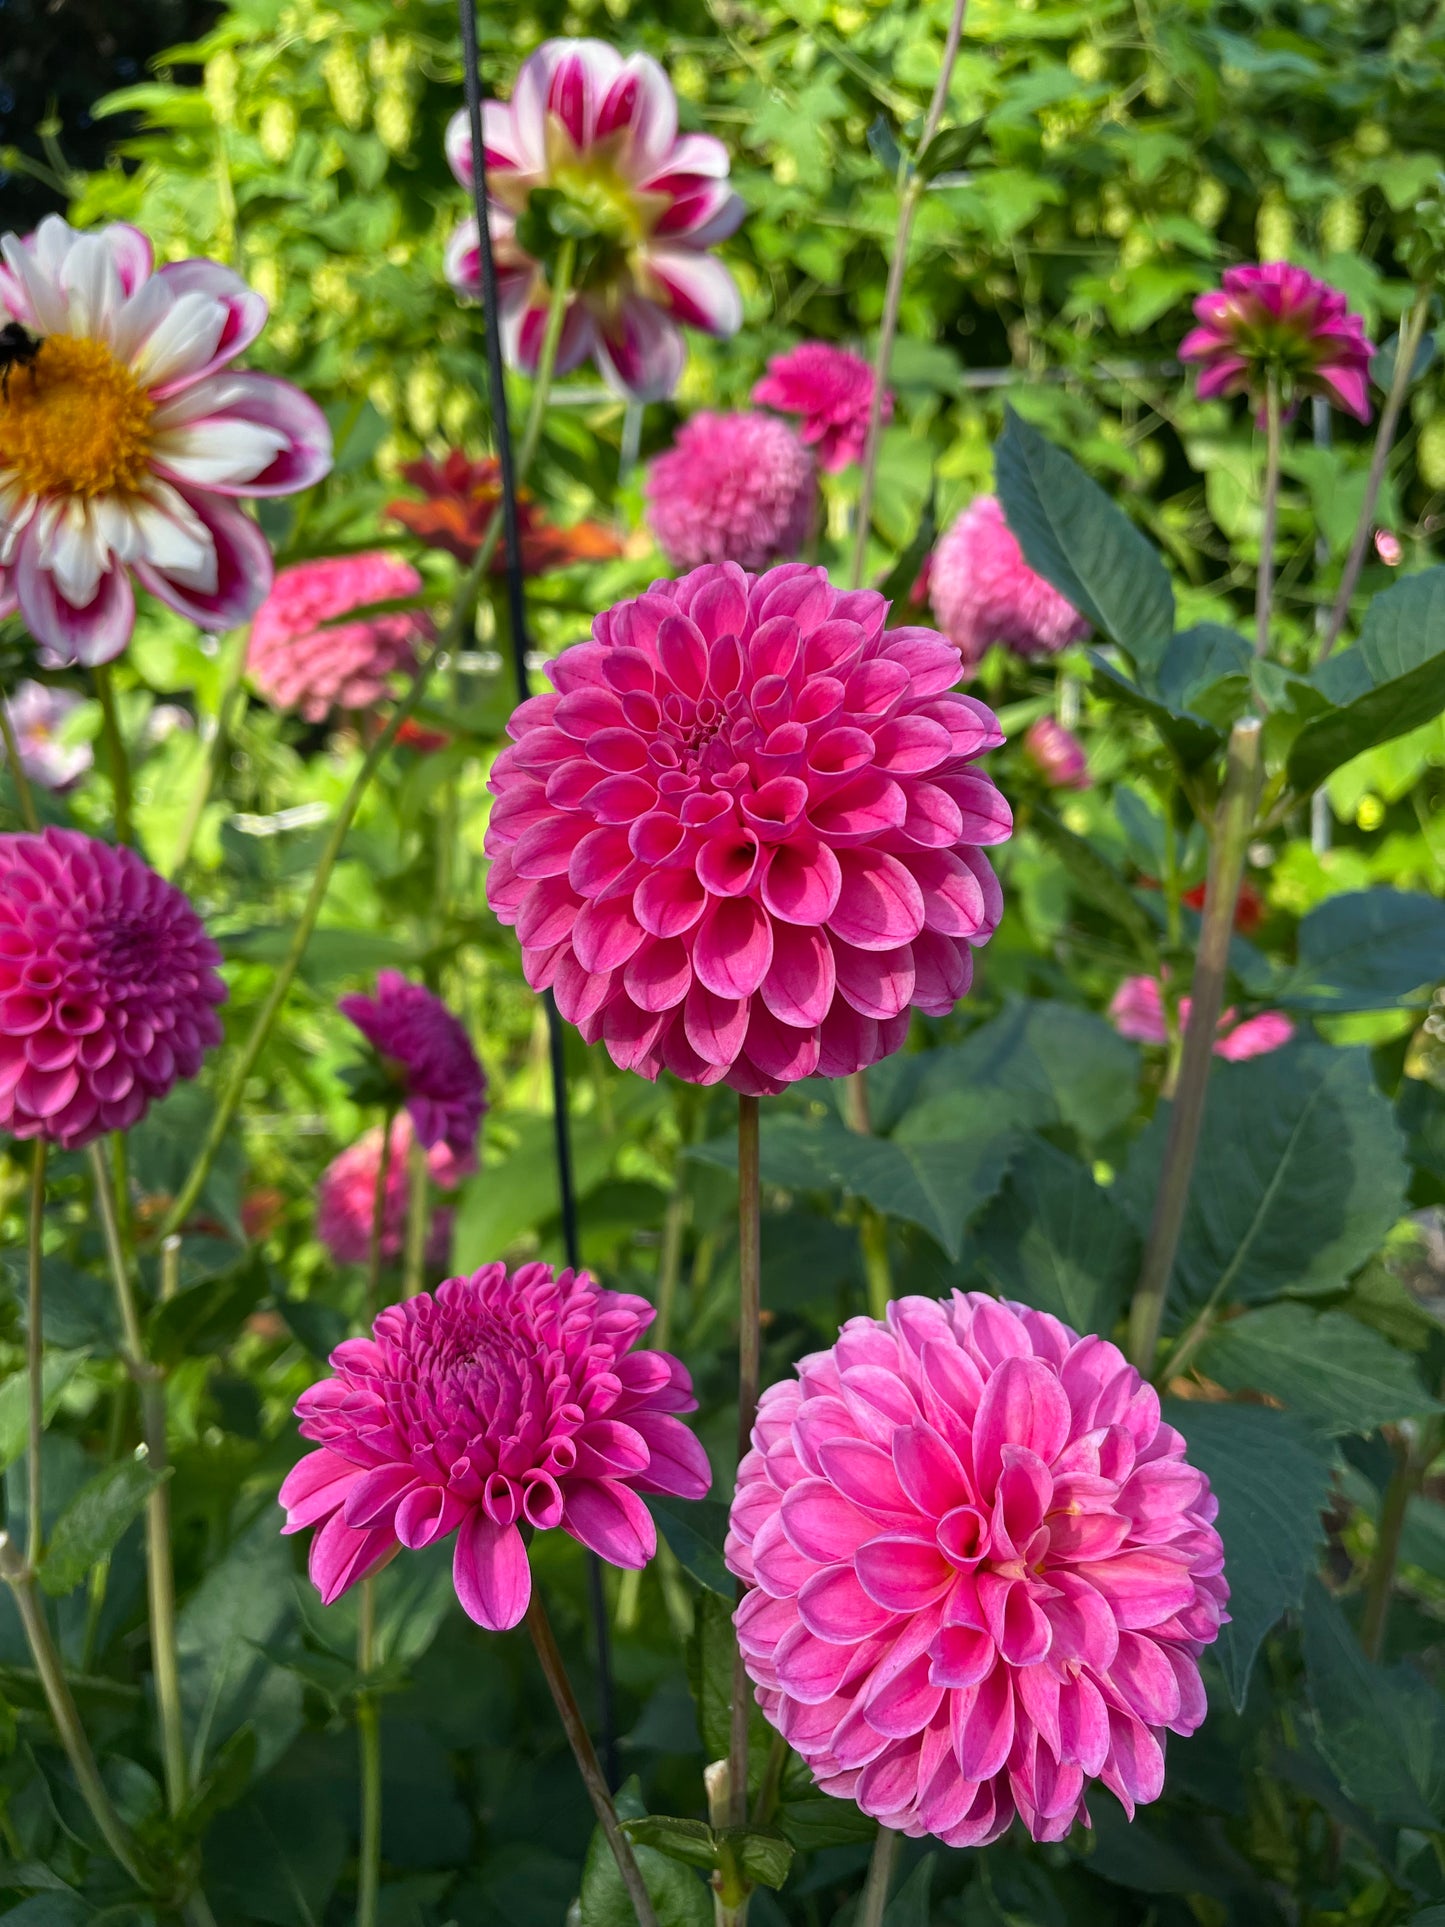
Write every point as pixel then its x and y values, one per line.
pixel 77 422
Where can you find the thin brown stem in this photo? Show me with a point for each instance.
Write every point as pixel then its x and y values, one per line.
pixel 1264 582
pixel 880 1878
pixel 115 752
pixel 35 1356
pixel 24 795
pixel 749 1370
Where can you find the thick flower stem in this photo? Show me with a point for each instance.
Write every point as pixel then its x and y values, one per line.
pixel 368 1734
pixel 35 1355
pixel 377 1239
pixel 216 751
pixel 565 1700
pixel 749 1371
pixel 24 795
pixel 115 752
pixel 1406 350
pixel 1380 1583
pixel 880 1877
pixel 1264 582
pixel 1234 821
pixel 418 1216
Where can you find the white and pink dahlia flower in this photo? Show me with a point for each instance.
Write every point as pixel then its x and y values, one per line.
pixel 741 837
pixel 127 441
pixel 600 131
pixel 984 592
pixel 980 1570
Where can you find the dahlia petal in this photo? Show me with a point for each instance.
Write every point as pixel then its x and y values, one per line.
pixel 242 568
pixel 610 1520
pixel 733 948
pixel 678 1464
pixel 714 1026
pixel 802 883
pixel 1141 1588
pixel 697 289
pixel 902 1573
pixel 833 1606
pixel 490 1572
pixel 314 1488
pixel 340 1556
pixel 929 1471
pixel 1023 1403
pixel 983 1725
pixel 93 633
pixel 374 1496
pixel 961 1656
pixel 669 902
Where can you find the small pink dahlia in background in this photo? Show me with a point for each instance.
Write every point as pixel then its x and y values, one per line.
pixel 499 1402
pixel 428 1053
pixel 108 988
pixel 980 1570
pixel 346 1197
pixel 125 443
pixel 1277 318
pixel 300 659
pixel 1137 1011
pixel 1057 754
pixel 741 837
pixel 732 488
pixel 38 713
pixel 830 389
pixel 984 592
pixel 645 203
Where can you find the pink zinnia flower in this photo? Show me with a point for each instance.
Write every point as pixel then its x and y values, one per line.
pixel 346 1197
pixel 497 1403
pixel 981 1571
pixel 428 1052
pixel 38 712
pixel 108 988
pixel 984 592
pixel 831 389
pixel 1057 754
pixel 124 445
pixel 298 662
pixel 1278 318
pixel 1137 1011
pixel 600 132
pixel 732 488
pixel 741 838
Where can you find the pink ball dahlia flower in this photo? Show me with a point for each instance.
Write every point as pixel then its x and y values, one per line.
pixel 1137 1011
pixel 741 837
pixel 108 988
pixel 1277 318
pixel 831 390
pixel 498 1402
pixel 984 592
pixel 125 443
pixel 427 1050
pixel 346 1197
pixel 599 132
pixel 1057 754
pixel 298 662
pixel 732 488
pixel 38 713
pixel 980 1570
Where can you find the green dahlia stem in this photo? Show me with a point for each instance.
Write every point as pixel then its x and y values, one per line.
pixel 1264 582
pixel 35 1356
pixel 216 750
pixel 749 1372
pixel 418 1220
pixel 24 795
pixel 1380 1582
pixel 368 1733
pixel 114 752
pixel 880 1877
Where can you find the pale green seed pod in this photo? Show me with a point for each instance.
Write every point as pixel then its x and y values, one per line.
pixel 394 119
pixel 222 83
pixel 277 131
pixel 345 82
pixel 1274 229
pixel 1211 198
pixel 1430 453
pixel 424 391
pixel 1342 225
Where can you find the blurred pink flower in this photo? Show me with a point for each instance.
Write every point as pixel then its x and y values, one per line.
pixel 1254 1037
pixel 831 389
pixel 431 1056
pixel 1057 754
pixel 981 1571
pixel 346 1197
pixel 1389 548
pixel 125 444
pixel 1137 1011
pixel 108 988
pixel 38 713
pixel 732 488
pixel 984 592
pixel 1277 317
pixel 742 838
pixel 495 1405
pixel 648 203
pixel 296 662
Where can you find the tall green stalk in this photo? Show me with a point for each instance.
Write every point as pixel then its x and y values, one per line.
pixel 24 795
pixel 114 752
pixel 35 1355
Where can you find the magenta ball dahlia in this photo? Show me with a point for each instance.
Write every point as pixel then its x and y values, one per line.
pixel 980 1570
pixel 741 836
pixel 830 390
pixel 496 1404
pixel 346 1197
pixel 1272 318
pixel 108 988
pixel 427 1051
pixel 732 488
pixel 301 658
pixel 984 592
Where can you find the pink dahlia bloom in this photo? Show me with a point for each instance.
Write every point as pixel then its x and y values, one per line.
pixel 600 132
pixel 1057 754
pixel 742 837
pixel 126 443
pixel 1278 318
pixel 108 988
pixel 496 1404
pixel 300 659
pixel 984 592
pixel 428 1051
pixel 980 1570
pixel 732 488
pixel 1137 1011
pixel 346 1197
pixel 38 714
pixel 831 390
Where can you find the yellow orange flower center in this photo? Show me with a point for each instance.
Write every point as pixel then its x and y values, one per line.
pixel 76 421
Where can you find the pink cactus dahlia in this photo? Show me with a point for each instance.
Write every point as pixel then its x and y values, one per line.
pixel 346 1197
pixel 732 488
pixel 831 390
pixel 1137 1011
pixel 1057 754
pixel 125 443
pixel 428 1052
pixel 984 592
pixel 741 836
pixel 597 133
pixel 980 1570
pixel 496 1404
pixel 1277 318
pixel 108 988
pixel 300 659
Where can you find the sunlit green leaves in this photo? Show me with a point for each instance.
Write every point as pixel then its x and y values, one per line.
pixel 1363 950
pixel 1334 1372
pixel 91 1525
